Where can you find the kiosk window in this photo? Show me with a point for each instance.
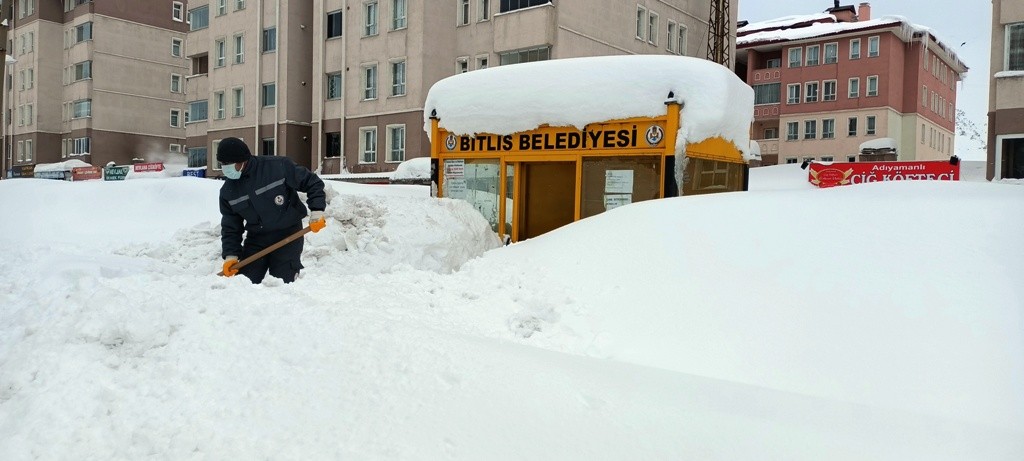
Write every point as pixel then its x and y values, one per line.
pixel 708 176
pixel 610 182
pixel 475 181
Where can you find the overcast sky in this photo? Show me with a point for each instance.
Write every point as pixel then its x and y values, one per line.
pixel 953 22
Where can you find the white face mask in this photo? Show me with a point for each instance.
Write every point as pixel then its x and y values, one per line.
pixel 230 172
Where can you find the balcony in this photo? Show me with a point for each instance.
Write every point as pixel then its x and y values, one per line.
pixel 524 28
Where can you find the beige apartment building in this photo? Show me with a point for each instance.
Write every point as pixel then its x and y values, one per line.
pixel 1006 92
pixel 351 95
pixel 337 85
pixel 92 81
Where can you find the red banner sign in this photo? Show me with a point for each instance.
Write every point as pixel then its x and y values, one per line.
pixel 86 173
pixel 148 167
pixel 842 174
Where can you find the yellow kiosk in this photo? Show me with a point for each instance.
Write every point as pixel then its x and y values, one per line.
pixel 531 182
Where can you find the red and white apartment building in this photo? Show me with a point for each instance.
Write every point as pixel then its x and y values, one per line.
pixel 841 86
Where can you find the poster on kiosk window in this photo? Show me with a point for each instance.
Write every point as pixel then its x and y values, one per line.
pixel 843 174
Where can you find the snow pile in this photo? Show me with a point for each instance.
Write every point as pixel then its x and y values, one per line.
pixel 880 143
pixel 683 328
pixel 785 22
pixel 417 168
pixel 508 99
pixel 66 165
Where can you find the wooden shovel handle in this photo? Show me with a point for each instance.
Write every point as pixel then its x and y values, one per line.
pixel 265 251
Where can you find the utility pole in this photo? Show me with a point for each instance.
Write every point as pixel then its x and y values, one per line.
pixel 718 32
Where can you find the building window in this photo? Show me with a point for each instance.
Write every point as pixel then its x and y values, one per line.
pixel 29 114
pixel 368 145
pixel 829 93
pixel 851 126
pixel 196 157
pixel 773 63
pixel 81 108
pixel 332 145
pixel 485 9
pixel 924 95
pixel 670 42
pixel 176 47
pixel 831 53
pixel 369 81
pixel 872 46
pixel 463 13
pixel 370 18
pixel 771 133
pixel 268 146
pixel 334 85
pixel 334 24
pixel 176 118
pixel 813 52
pixel 767 93
pixel 873 85
pixel 811 92
pixel 529 55
pixel 239 5
pixel 396 143
pixel 855 48
pixel 652 28
pixel 792 131
pixel 922 133
pixel 681 42
pixel 398 78
pixel 219 53
pixel 239 49
pixel 641 22
pixel 828 128
pixel 1015 46
pixel 790 160
pixel 29 150
pixel 793 93
pixel 222 7
pixel 199 18
pixel 269 40
pixel 870 119
pixel 175 83
pixel 269 96
pixel 178 11
pixel 197 111
pixel 82 32
pixel 399 12
pixel 854 88
pixel 511 5
pixel 481 62
pixel 827 158
pixel 851 158
pixel 461 65
pixel 810 129
pixel 200 64
pixel 795 56
pixel 218 105
pixel 239 106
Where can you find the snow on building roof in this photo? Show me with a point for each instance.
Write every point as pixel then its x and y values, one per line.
pixel 880 143
pixel 785 21
pixel 754 153
pixel 819 29
pixel 579 91
pixel 66 165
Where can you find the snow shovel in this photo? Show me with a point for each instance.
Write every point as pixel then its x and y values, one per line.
pixel 265 251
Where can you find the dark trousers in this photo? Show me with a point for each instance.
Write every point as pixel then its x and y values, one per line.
pixel 283 263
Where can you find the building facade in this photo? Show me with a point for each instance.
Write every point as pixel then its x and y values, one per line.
pixel 336 85
pixel 840 86
pixel 1006 92
pixel 78 89
pixel 375 60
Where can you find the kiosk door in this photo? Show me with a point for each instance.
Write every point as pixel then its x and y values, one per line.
pixel 548 197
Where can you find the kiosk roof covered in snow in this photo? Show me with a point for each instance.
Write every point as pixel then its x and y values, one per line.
pixel 580 91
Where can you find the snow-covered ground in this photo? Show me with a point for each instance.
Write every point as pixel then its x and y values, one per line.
pixel 878 321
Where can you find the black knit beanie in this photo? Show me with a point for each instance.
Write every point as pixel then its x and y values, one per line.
pixel 232 150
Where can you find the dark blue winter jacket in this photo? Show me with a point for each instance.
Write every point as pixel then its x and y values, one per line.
pixel 265 199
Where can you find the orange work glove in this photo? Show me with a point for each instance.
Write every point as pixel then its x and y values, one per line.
pixel 228 263
pixel 317 221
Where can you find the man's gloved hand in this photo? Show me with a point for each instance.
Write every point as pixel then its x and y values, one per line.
pixel 228 263
pixel 317 221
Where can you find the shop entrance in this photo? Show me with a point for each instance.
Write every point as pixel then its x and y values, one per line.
pixel 547 197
